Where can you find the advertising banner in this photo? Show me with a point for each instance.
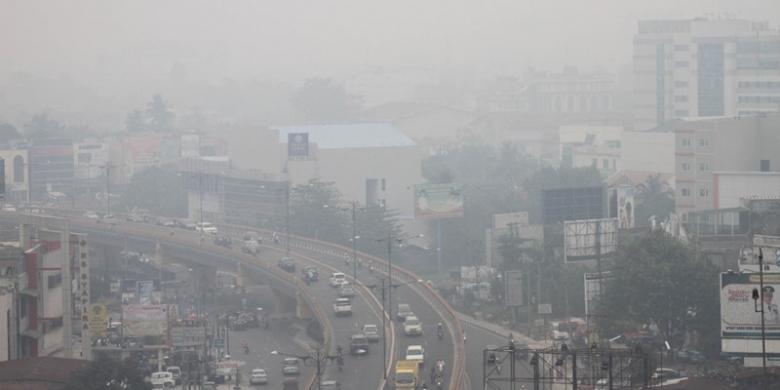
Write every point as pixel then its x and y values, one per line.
pixel 740 323
pixel 188 336
pixel 589 239
pixel 594 281
pixel 435 201
pixel 144 320
pixel 513 288
pixel 98 320
pixel 625 206
pixel 297 145
pixel 145 291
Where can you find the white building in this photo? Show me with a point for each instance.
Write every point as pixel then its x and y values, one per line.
pixel 703 67
pixel 17 174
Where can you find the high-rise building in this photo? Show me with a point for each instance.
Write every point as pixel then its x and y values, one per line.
pixel 703 68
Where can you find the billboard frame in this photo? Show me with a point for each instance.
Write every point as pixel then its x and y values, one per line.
pixel 440 201
pixel 589 239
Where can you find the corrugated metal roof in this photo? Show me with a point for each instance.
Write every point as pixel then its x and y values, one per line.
pixel 346 136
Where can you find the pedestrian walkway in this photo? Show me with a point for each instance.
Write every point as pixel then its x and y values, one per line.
pixel 502 331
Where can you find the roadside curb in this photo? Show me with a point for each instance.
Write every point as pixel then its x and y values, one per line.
pixel 500 331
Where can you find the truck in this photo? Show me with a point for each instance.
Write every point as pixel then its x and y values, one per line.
pixel 407 374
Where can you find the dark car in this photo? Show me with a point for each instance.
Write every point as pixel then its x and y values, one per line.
pixel 358 344
pixel 223 241
pixel 310 274
pixel 287 264
pixel 491 353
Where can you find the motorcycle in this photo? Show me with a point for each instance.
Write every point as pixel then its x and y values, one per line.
pixel 440 333
pixel 246 350
pixel 340 363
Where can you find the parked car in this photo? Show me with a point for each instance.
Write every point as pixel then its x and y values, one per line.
pixel 258 377
pixel 287 264
pixel 290 366
pixel 358 344
pixel 206 227
pixel 346 290
pixel 372 332
pixel 176 372
pixel 337 279
pixel 223 241
pixel 403 311
pixel 662 374
pixel 162 380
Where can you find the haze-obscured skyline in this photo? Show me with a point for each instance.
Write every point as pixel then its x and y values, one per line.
pixel 106 43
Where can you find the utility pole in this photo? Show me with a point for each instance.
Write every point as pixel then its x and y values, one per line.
pixel 390 273
pixel 287 220
pixel 108 189
pixel 354 240
pixel 200 190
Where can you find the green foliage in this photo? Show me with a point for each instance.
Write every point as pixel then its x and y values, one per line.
pixel 313 211
pixel 135 121
pixel 320 100
pixel 108 374
pixel 158 190
pixel 160 117
pixel 41 126
pixel 653 197
pixel 375 222
pixel 659 280
pixel 8 132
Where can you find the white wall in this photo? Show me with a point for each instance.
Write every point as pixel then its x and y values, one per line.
pixel 647 151
pixel 6 307
pixel 730 187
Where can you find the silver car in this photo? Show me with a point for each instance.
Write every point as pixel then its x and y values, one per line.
pixel 372 332
pixel 258 377
pixel 291 366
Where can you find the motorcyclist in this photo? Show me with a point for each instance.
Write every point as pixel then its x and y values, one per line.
pixel 424 387
pixel 340 362
pixel 433 373
pixel 440 330
pixel 339 350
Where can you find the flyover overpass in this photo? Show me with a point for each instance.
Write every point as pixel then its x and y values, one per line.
pixel 423 299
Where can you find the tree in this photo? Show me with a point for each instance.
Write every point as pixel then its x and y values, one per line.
pixel 8 132
pixel 375 222
pixel 41 126
pixel 320 100
pixel 158 190
pixel 135 121
pixel 654 198
pixel 313 211
pixel 659 281
pixel 159 114
pixel 106 373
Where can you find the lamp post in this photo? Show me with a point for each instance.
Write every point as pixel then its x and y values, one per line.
pixel 756 297
pixel 353 240
pixel 390 239
pixel 318 356
pixel 384 289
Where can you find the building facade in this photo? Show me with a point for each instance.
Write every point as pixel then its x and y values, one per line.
pixel 704 146
pixel 702 68
pixel 17 178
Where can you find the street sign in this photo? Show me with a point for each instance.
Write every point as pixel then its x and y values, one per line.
pixel 545 308
pixel 219 343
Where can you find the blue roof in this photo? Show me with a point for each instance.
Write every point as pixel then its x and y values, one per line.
pixel 356 135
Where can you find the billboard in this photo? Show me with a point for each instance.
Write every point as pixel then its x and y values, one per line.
pixel 625 206
pixel 98 320
pixel 594 282
pixel 435 201
pixel 589 239
pixel 565 204
pixel 189 146
pixel 188 336
pixel 144 320
pixel 740 324
pixel 145 291
pixel 297 145
pixel 513 288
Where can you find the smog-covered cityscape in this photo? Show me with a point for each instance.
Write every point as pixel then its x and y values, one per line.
pixel 380 195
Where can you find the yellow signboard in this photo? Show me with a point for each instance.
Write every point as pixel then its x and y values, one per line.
pixel 98 320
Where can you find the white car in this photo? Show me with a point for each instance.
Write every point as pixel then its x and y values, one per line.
pixel 163 380
pixel 346 290
pixel 206 227
pixel 412 326
pixel 372 332
pixel 258 377
pixel 415 353
pixel 342 307
pixel 337 279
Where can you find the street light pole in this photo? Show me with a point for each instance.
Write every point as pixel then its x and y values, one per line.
pixel 287 220
pixel 354 241
pixel 756 298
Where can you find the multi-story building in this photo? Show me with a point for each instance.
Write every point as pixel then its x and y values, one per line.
pixel 17 183
pixel 51 168
pixel 703 67
pixel 570 92
pixel 704 146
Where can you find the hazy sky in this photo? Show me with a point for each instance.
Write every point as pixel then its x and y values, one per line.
pixel 106 42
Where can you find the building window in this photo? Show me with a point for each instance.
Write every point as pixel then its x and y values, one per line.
pixel 18 169
pixel 704 142
pixel 680 99
pixel 764 165
pixel 686 142
pixel 682 113
pixel 680 47
pixel 594 162
pixel 54 280
pixel 384 185
pixel 686 166
pixel 704 166
pixel 681 64
pixel 704 192
pixel 685 192
pixel 605 163
pixel 681 84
